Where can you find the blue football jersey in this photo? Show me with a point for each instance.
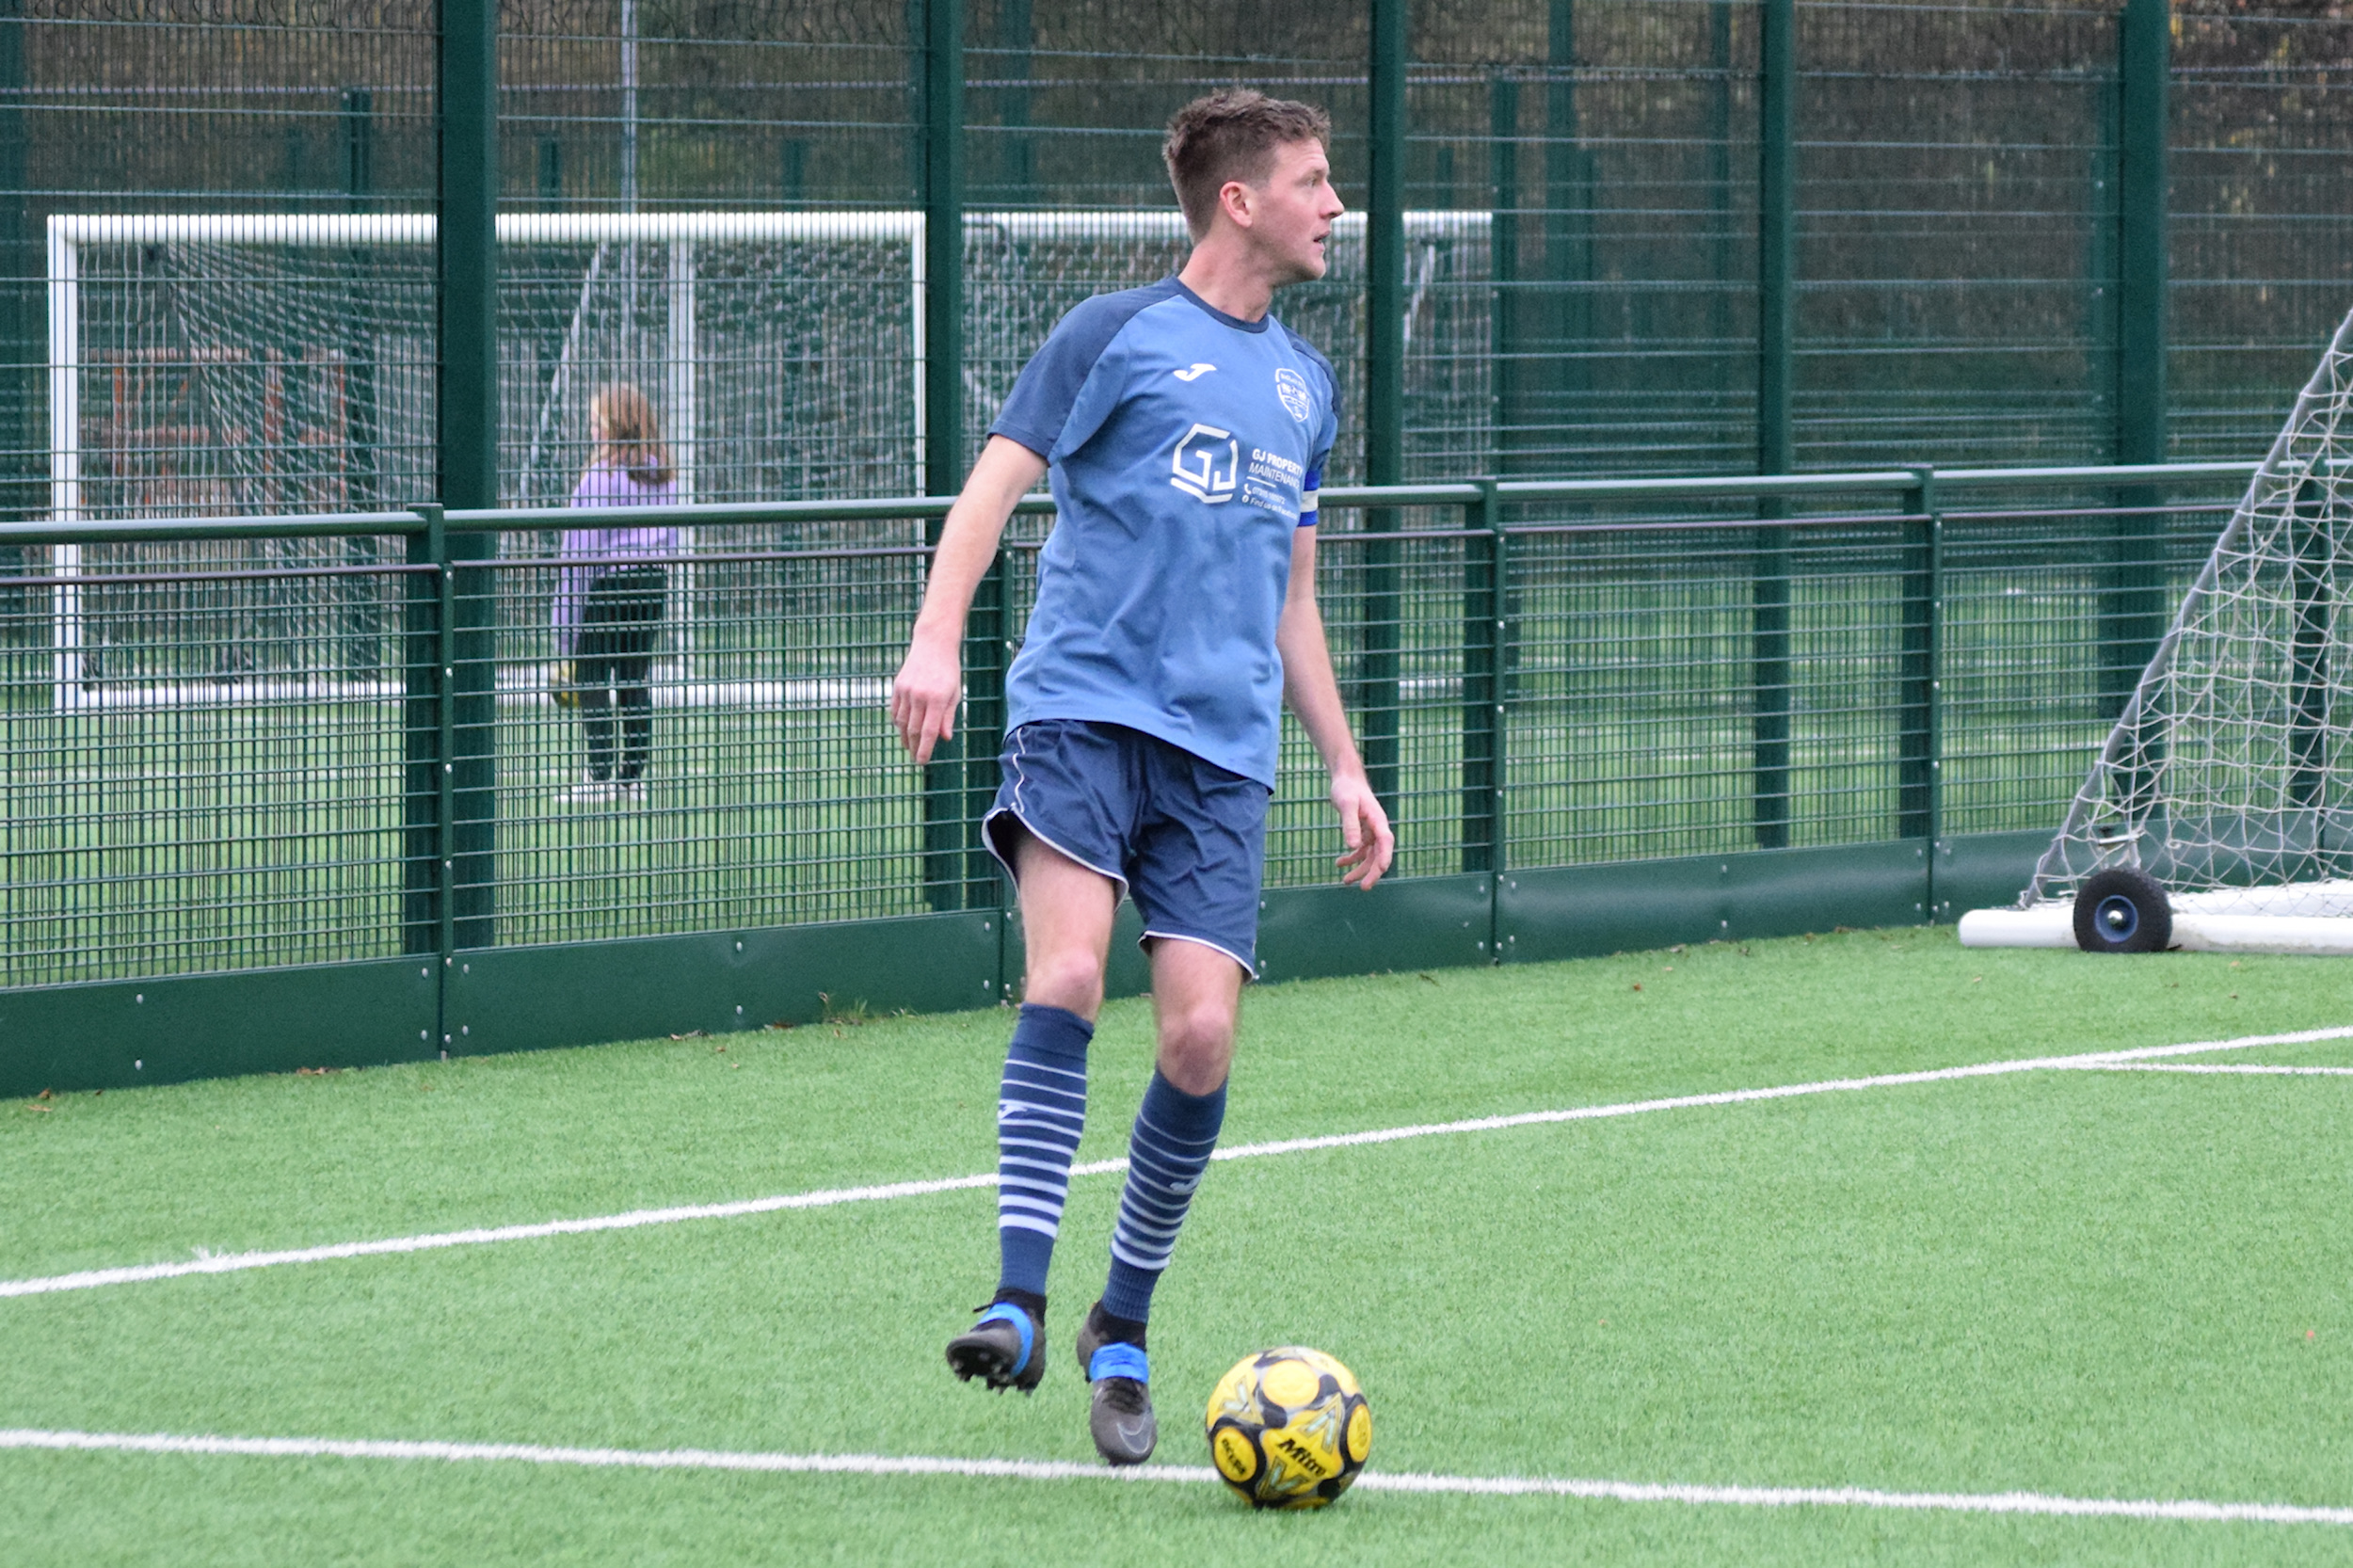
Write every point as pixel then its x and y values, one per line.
pixel 1186 448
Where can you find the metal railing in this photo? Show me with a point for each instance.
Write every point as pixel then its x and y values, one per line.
pixel 242 742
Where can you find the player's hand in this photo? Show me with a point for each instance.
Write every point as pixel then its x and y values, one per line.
pixel 924 697
pixel 1364 827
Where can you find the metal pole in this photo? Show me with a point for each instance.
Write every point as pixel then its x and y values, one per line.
pixel 1014 38
pixel 2132 610
pixel 1776 236
pixel 423 890
pixel 1504 270
pixel 467 409
pixel 954 777
pixel 1776 264
pixel 23 264
pixel 1484 563
pixel 1385 385
pixel 1915 697
pixel 2144 59
pixel 1720 183
pixel 1567 263
pixel 629 105
pixel 1385 250
pixel 357 439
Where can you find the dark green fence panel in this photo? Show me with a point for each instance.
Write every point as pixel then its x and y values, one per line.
pixel 217 232
pixel 716 982
pixel 240 759
pixel 1987 231
pixel 2261 243
pixel 168 1029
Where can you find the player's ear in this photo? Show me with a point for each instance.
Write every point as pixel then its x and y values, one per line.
pixel 1234 198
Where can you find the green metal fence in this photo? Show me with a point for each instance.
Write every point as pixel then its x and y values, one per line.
pixel 315 781
pixel 328 267
pixel 1615 236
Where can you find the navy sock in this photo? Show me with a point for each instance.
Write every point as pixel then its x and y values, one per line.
pixel 1166 1154
pixel 1041 1110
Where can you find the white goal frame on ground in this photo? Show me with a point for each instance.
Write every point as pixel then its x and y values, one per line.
pixel 681 231
pixel 2237 888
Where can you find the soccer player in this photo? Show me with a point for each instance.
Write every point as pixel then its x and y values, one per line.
pixel 1186 431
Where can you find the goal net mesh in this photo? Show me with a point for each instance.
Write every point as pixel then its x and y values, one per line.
pixel 245 376
pixel 2229 775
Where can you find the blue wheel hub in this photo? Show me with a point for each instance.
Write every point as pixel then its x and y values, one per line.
pixel 2118 917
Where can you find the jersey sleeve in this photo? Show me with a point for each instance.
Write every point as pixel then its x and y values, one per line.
pixel 1044 411
pixel 1327 432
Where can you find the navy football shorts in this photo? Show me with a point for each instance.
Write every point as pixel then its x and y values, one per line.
pixel 1182 837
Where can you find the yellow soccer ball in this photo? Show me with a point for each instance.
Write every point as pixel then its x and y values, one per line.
pixel 1288 1428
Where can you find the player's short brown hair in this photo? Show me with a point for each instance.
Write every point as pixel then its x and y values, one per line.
pixel 1232 134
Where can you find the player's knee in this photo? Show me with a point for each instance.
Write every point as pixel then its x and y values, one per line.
pixel 1197 1046
pixel 1073 981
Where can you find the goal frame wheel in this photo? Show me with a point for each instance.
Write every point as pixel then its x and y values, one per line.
pixel 2123 910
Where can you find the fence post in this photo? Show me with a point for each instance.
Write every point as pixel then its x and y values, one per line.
pixel 445 744
pixel 2144 59
pixel 1776 235
pixel 954 773
pixel 1384 388
pixel 1503 270
pixel 1568 239
pixel 1917 747
pixel 467 414
pixel 23 479
pixel 425 701
pixel 1776 322
pixel 2131 604
pixel 1483 639
pixel 1017 173
pixel 470 758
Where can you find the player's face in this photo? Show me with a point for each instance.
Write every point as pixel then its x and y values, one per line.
pixel 1293 212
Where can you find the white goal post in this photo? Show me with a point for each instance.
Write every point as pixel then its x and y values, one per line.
pixel 697 292
pixel 2226 785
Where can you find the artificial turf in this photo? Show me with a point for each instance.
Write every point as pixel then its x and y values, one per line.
pixel 2101 1284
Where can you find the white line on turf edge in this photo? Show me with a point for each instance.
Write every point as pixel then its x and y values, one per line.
pixel 1026 1469
pixel 2243 1067
pixel 227 1263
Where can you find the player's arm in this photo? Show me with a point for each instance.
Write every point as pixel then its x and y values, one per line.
pixel 924 697
pixel 1315 697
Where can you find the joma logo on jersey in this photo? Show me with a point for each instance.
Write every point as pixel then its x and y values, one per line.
pixel 1207 463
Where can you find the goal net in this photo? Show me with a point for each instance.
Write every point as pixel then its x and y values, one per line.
pixel 225 364
pixel 244 364
pixel 2228 777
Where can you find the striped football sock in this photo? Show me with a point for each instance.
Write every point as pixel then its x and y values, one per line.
pixel 1041 1110
pixel 1166 1154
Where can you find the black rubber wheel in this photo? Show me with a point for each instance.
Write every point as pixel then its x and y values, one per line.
pixel 2122 910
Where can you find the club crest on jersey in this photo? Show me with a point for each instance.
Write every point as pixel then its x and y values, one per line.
pixel 1206 463
pixel 1291 387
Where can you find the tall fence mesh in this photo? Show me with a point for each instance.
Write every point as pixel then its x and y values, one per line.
pixel 217 274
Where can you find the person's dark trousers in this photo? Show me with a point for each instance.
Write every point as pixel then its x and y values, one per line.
pixel 611 665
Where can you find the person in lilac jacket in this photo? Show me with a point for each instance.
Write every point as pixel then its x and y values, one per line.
pixel 609 595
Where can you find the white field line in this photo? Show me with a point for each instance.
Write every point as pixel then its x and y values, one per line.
pixel 2248 1067
pixel 1043 1470
pixel 227 1263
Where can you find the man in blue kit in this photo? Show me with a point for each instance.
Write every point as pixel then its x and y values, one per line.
pixel 1186 431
